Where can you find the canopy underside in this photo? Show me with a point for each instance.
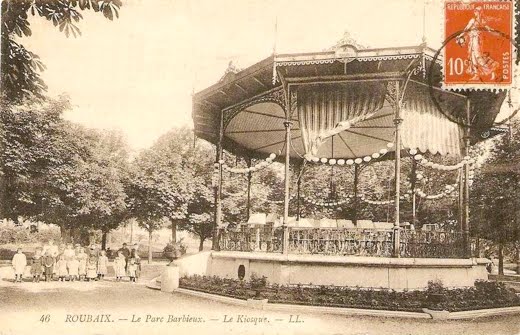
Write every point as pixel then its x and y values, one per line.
pixel 323 109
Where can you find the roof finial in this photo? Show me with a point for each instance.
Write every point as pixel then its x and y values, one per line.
pixel 231 70
pixel 347 39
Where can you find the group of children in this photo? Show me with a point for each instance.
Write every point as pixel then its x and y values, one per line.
pixel 68 263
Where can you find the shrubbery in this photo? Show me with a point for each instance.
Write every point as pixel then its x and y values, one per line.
pixel 178 248
pixel 485 294
pixel 18 234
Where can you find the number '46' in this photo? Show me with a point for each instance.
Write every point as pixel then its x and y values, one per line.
pixel 45 318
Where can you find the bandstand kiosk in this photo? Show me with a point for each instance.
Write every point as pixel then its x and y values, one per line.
pixel 346 107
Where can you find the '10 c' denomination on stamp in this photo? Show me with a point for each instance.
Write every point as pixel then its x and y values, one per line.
pixel 478 44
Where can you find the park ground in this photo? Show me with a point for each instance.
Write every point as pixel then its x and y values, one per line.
pixel 24 309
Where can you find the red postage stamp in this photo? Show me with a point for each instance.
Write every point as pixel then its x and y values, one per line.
pixel 478 45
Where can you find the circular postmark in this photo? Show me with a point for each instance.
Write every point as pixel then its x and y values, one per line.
pixel 457 36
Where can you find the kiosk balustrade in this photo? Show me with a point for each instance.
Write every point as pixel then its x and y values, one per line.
pixel 344 242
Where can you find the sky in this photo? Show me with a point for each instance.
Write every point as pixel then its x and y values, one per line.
pixel 137 74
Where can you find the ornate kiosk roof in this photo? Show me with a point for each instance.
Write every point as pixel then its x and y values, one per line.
pixel 341 104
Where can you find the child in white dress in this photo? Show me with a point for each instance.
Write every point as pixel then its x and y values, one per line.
pixel 63 272
pixel 19 263
pixel 102 264
pixel 119 266
pixel 73 265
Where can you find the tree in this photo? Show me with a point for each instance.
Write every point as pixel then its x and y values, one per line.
pixel 494 201
pixel 58 172
pixel 198 220
pixel 100 183
pixel 20 67
pixel 35 144
pixel 159 180
pixel 150 225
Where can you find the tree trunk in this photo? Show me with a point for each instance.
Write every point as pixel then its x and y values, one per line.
pixel 65 234
pixel 518 260
pixel 201 244
pixel 174 231
pixel 104 239
pixel 149 246
pixel 131 231
pixel 3 188
pixel 356 200
pixel 501 258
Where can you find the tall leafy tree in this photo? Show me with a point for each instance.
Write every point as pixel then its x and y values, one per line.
pixel 35 143
pixel 159 179
pixel 59 172
pixel 99 189
pixel 495 205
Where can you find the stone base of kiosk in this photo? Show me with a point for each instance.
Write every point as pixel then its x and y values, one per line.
pixel 352 271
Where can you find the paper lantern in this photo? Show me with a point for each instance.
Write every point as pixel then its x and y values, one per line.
pixel 390 145
pixel 341 162
pixel 375 155
pixel 383 151
pixel 418 157
pixel 315 159
pixel 367 159
pixel 358 160
pixel 324 160
pixel 272 156
pixel 349 162
pixel 413 151
pixel 332 161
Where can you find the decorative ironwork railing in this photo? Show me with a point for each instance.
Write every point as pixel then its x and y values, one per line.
pixel 333 241
pixel 251 239
pixel 342 242
pixel 431 244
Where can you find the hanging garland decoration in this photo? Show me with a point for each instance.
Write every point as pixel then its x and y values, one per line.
pixel 278 202
pixel 341 162
pixel 268 161
pixel 379 202
pixel 327 203
pixel 448 189
pixel 348 198
pixel 423 161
